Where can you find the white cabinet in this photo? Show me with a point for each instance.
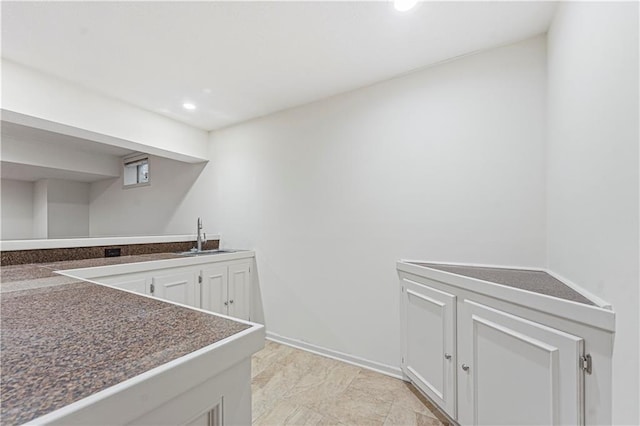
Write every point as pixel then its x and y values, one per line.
pixel 214 290
pixel 491 355
pixel 209 387
pixel 223 287
pixel 514 371
pixel 177 285
pixel 212 417
pixel 138 283
pixel 428 320
pixel 226 289
pixel 240 290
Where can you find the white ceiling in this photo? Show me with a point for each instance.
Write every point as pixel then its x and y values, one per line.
pixel 240 60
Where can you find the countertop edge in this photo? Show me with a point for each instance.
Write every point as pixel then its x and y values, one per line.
pixel 594 316
pixel 128 268
pixel 253 340
pixel 239 350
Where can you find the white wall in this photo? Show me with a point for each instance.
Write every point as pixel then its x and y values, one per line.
pixel 47 208
pixel 178 194
pixel 443 164
pixel 593 171
pixel 17 209
pixel 34 94
pixel 41 209
pixel 67 208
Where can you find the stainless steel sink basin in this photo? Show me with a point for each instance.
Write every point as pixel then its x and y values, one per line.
pixel 204 252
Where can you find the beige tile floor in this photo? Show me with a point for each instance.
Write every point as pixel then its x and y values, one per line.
pixel 295 387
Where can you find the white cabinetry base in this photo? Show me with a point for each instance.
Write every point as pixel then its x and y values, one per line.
pixel 518 356
pixel 179 392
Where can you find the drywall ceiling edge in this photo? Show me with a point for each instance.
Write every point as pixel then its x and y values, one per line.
pixel 51 126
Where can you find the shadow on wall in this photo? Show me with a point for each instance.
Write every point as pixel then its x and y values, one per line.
pixel 257 308
pixel 144 210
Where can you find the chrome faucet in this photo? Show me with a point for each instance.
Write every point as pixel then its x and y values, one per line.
pixel 202 237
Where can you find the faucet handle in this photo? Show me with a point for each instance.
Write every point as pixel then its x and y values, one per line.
pixel 204 238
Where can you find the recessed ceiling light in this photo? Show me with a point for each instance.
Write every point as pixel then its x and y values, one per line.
pixel 188 105
pixel 404 5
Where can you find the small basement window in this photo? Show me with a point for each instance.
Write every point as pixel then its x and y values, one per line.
pixel 136 171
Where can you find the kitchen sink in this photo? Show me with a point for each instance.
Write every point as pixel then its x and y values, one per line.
pixel 205 252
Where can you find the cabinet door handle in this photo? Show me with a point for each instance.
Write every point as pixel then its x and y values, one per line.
pixel 231 301
pixel 447 356
pixel 226 303
pixel 465 367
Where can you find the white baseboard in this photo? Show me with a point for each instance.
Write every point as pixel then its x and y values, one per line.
pixel 388 370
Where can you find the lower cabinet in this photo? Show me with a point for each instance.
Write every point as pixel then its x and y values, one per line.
pixel 176 285
pixel 212 417
pixel 220 287
pixel 214 289
pixel 226 289
pixel 429 355
pixel 514 371
pixel 209 387
pixel 138 283
pixel 485 366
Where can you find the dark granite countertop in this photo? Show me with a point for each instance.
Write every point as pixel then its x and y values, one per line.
pixel 63 339
pixel 22 257
pixel 524 279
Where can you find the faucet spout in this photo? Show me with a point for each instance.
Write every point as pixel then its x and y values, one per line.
pixel 200 239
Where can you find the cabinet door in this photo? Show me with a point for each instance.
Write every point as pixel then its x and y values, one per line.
pixel 516 372
pixel 213 289
pixel 240 290
pixel 210 418
pixel 428 342
pixel 176 286
pixel 138 283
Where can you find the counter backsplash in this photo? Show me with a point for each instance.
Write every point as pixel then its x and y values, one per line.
pixel 19 257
